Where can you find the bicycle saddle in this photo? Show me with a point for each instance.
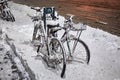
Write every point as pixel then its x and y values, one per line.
pixel 52 23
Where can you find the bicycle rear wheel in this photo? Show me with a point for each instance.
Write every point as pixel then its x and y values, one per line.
pixel 57 50
pixel 12 18
pixel 79 50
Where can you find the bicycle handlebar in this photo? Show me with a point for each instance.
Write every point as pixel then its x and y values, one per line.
pixel 36 8
pixel 69 21
pixel 70 17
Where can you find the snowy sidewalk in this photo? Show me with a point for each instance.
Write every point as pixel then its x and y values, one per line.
pixel 104 47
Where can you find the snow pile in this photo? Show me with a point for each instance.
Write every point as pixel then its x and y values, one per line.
pixel 104 47
pixel 10 64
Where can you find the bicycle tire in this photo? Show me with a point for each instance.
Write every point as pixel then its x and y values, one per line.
pixel 78 54
pixel 12 18
pixel 62 54
pixel 35 31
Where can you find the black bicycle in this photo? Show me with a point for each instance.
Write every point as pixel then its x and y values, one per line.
pixel 5 11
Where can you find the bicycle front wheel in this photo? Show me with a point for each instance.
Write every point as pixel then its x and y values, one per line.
pixel 57 50
pixel 77 50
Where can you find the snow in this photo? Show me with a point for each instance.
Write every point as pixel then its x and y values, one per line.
pixel 104 48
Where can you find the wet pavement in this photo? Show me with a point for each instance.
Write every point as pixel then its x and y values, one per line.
pixel 96 16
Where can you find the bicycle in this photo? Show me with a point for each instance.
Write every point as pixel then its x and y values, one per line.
pixel 5 11
pixel 37 22
pixel 55 55
pixel 76 49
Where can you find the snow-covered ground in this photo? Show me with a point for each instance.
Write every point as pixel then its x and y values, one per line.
pixel 104 48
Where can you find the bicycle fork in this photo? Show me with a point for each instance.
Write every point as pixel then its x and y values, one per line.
pixel 66 37
pixel 75 42
pixel 68 45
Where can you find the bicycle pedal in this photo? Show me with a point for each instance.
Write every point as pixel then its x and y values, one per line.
pixel 69 59
pixel 51 65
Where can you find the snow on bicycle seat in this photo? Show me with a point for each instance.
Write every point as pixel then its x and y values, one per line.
pixel 52 23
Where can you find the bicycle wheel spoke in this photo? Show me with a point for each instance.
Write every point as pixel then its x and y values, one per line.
pixel 80 51
pixel 80 60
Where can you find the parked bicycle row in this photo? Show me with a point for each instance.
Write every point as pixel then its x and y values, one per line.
pixel 56 52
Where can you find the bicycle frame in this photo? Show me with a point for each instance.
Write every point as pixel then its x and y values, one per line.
pixel 44 29
pixel 67 36
pixel 50 42
pixel 75 43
